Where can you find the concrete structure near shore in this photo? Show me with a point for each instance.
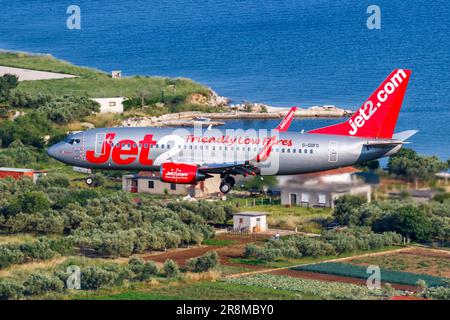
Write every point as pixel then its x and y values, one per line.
pixel 28 74
pixel 110 105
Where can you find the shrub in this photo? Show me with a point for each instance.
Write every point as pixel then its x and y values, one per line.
pixel 250 250
pixel 39 283
pixel 54 180
pixel 39 250
pixel 136 264
pixel 268 254
pixel 29 202
pixel 150 269
pixel 171 268
pixel 9 256
pixel 119 244
pixel 203 263
pixel 93 278
pixel 10 289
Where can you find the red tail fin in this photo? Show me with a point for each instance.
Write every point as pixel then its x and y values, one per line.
pixel 377 117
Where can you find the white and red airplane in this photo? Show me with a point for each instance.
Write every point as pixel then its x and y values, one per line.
pixel 187 156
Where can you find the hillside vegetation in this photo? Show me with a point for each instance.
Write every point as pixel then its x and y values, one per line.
pixel 95 83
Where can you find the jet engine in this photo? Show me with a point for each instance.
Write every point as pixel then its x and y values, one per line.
pixel 181 173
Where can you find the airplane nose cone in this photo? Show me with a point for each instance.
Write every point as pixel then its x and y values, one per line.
pixel 53 151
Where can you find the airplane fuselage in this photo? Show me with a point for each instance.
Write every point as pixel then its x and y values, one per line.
pixel 147 148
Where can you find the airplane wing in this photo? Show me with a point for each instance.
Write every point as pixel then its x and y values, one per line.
pixel 247 168
pixel 244 169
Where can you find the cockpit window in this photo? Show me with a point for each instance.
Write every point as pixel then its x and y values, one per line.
pixel 73 141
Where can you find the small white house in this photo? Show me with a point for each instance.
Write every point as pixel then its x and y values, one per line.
pixel 250 221
pixel 110 105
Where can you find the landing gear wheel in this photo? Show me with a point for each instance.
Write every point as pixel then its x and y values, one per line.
pixel 227 184
pixel 89 181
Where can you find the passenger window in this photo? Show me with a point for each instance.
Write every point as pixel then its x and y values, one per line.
pixel 311 151
pixel 288 150
pixel 294 150
pixel 282 150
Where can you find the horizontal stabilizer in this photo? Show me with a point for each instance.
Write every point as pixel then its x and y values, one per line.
pixel 404 135
pixel 383 143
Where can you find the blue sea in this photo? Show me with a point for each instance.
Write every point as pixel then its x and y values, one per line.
pixel 279 52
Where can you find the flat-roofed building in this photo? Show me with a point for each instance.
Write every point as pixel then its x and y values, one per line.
pixel 250 221
pixel 110 105
pixel 18 173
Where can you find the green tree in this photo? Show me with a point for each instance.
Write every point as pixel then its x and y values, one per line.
pixel 410 221
pixel 170 268
pixel 346 209
pixel 407 163
pixel 203 263
pixel 7 83
pixel 29 202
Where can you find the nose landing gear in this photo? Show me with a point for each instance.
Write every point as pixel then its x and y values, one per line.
pixel 227 184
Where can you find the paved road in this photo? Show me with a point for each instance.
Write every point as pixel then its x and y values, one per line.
pixel 27 74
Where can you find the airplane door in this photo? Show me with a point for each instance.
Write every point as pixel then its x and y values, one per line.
pixel 332 152
pixel 99 139
pixel 79 149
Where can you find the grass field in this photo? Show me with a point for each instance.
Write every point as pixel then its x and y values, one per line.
pixel 282 263
pixel 94 83
pixel 216 290
pixel 304 219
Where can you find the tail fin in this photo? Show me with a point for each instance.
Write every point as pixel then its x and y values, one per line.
pixel 377 117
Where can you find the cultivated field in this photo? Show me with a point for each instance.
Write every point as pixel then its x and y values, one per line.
pixel 417 260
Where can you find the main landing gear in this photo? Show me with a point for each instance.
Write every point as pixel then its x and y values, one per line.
pixel 227 184
pixel 89 180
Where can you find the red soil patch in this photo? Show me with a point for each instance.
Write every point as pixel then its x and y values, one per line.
pixel 236 250
pixel 333 278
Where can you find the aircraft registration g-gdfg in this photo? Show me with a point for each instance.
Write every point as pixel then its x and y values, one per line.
pixel 187 156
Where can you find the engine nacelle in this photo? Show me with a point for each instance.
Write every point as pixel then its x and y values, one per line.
pixel 182 173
